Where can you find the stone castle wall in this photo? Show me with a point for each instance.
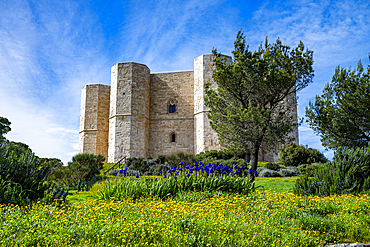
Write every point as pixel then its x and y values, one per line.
pixel 131 118
pixel 205 138
pixel 94 123
pixel 129 111
pixel 163 87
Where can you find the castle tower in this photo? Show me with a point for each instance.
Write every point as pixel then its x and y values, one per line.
pixel 94 119
pixel 205 138
pixel 129 111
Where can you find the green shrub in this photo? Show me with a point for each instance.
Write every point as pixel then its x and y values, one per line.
pixel 289 171
pixel 348 173
pixel 217 155
pixel 309 169
pixel 295 155
pixel 175 159
pixel 264 172
pixel 21 177
pixel 85 166
pixel 273 166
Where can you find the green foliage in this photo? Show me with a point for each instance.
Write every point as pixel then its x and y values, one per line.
pixel 22 179
pixel 120 189
pixel 85 166
pixel 348 173
pixel 256 92
pixel 175 159
pixel 341 114
pixel 264 172
pixel 147 166
pixel 18 148
pixel 272 166
pixel 214 155
pixel 289 171
pixel 309 169
pixel 274 170
pixel 295 155
pixel 13 193
pixel 4 127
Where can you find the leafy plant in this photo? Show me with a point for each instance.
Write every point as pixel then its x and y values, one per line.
pixel 348 173
pixel 189 178
pixel 309 169
pixel 22 178
pixel 295 155
pixel 341 114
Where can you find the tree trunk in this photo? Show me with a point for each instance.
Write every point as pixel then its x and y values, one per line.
pixel 254 162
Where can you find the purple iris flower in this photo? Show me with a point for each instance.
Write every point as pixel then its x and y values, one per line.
pixel 242 167
pixel 188 175
pixel 137 175
pixel 159 173
pixel 181 163
pixel 250 171
pixel 155 179
pixel 230 169
pixel 164 175
pixel 121 171
pixel 255 173
pixel 235 166
pixel 176 173
pixel 187 166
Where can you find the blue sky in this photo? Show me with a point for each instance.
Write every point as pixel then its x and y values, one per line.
pixel 50 49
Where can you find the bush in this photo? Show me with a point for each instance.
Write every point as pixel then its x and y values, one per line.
pixel 217 155
pixel 289 171
pixel 264 172
pixel 145 166
pixel 85 166
pixel 273 166
pixel 175 159
pixel 309 169
pixel 21 177
pixel 295 155
pixel 348 173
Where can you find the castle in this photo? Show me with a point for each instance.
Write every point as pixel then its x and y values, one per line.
pixel 142 114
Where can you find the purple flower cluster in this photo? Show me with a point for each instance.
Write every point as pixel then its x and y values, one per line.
pixel 199 168
pixel 123 171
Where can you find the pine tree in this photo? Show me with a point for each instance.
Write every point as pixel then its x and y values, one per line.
pixel 255 97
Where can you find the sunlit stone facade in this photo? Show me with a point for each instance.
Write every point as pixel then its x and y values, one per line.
pixel 135 116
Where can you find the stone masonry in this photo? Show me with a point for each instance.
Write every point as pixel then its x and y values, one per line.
pixel 133 117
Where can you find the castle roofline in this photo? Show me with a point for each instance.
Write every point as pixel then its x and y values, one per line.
pixel 172 72
pixel 132 63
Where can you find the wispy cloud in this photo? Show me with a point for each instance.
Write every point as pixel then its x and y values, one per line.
pixel 168 35
pixel 48 52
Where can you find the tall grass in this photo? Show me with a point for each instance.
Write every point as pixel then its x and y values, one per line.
pixel 130 187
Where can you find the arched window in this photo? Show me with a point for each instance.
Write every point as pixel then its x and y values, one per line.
pixel 172 106
pixel 172 137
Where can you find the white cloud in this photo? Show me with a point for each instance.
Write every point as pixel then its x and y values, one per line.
pixel 48 52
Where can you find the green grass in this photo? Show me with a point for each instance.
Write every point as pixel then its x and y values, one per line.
pixel 264 218
pixel 280 184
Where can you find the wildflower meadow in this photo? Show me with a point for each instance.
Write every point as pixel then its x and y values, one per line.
pixel 198 205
